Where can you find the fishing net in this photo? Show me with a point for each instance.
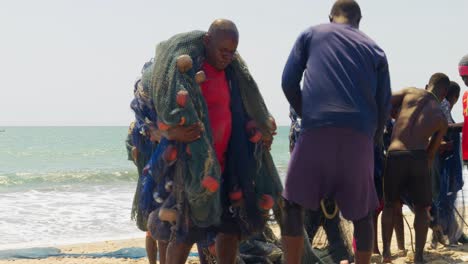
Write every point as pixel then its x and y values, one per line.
pixel 166 83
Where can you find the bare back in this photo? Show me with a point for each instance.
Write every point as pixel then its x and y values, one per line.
pixel 419 119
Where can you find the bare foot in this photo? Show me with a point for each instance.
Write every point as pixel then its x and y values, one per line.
pixel 386 259
pixel 402 252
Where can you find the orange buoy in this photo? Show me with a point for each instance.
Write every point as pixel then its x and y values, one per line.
pixel 181 98
pixel 170 154
pixel 256 137
pixel 162 126
pixel 184 63
pixel 212 249
pixel 266 202
pixel 182 121
pixel 200 77
pixel 210 183
pixel 235 195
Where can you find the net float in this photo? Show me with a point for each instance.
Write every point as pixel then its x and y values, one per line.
pixel 266 202
pixel 210 183
pixel 184 63
pixel 200 77
pixel 181 98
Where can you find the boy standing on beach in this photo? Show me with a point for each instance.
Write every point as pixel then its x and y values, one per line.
pixel 344 105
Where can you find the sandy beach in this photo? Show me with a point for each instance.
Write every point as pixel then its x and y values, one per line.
pixel 442 255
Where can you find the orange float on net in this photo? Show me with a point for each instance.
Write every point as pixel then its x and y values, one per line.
pixel 182 121
pixel 235 195
pixel 170 154
pixel 200 77
pixel 184 63
pixel 256 137
pixel 266 202
pixel 210 183
pixel 212 249
pixel 162 126
pixel 181 98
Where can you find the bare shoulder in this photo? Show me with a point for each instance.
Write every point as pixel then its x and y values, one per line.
pixel 408 91
pixel 415 91
pixel 412 94
pixel 441 118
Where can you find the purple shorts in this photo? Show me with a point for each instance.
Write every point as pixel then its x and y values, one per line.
pixel 335 163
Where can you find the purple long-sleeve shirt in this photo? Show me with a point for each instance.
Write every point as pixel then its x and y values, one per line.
pixel 346 79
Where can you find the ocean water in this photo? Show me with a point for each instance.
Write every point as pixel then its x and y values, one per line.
pixel 65 185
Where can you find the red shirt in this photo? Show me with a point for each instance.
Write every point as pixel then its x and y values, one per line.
pixel 218 99
pixel 465 127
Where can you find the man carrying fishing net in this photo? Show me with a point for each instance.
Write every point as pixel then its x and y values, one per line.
pixel 225 180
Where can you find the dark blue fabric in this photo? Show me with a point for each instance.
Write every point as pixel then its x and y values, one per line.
pixel 151 176
pixel 450 182
pixel 240 164
pixel 140 132
pixel 41 253
pixel 346 79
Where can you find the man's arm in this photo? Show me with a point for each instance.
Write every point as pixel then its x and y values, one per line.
pixel 383 96
pixel 436 139
pixel 185 134
pixel 292 74
pixel 397 98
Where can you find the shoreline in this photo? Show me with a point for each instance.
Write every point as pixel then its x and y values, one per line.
pixel 71 243
pixel 441 255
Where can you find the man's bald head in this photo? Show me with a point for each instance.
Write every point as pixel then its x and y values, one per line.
pixel 221 43
pixel 346 12
pixel 223 26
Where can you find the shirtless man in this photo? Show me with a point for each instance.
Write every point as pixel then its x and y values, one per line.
pixel 416 137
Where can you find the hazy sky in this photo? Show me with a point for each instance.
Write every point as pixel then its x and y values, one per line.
pixel 73 62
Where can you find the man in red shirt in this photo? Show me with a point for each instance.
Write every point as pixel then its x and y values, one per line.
pixel 226 114
pixel 463 70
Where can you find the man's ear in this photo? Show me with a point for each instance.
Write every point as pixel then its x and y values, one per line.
pixel 425 88
pixel 206 39
pixel 330 18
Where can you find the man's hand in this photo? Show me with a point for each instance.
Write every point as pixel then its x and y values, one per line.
pixel 134 154
pixel 445 146
pixel 185 134
pixel 268 141
pixel 155 134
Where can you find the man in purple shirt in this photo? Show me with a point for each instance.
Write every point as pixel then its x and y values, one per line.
pixel 344 104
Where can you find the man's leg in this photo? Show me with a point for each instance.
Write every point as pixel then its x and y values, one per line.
pixel 364 233
pixel 399 227
pixel 421 225
pixel 376 245
pixel 227 246
pixel 292 232
pixel 387 230
pixel 312 222
pixel 177 253
pixel 151 248
pixel 162 251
